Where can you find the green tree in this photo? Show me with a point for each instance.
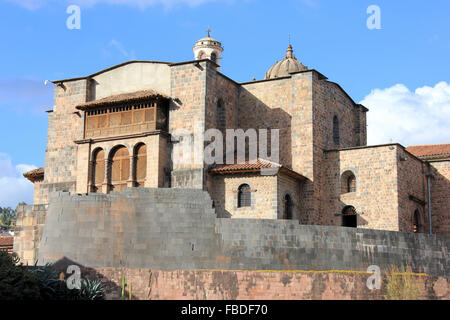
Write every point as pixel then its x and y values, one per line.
pixel 8 217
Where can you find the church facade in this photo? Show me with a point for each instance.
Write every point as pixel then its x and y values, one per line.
pixel 117 128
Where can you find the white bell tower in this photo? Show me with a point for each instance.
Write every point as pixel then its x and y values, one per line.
pixel 208 48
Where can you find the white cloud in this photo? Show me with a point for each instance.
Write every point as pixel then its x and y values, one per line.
pixel 36 4
pixel 400 115
pixel 119 47
pixel 14 188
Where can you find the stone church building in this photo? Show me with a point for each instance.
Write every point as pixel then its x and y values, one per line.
pixel 114 129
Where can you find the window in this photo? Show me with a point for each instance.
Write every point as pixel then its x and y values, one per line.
pixel 348 182
pixel 336 133
pixel 120 168
pixel 214 57
pixel 287 207
pixel 244 196
pixel 141 165
pixel 202 55
pixel 98 170
pixel 221 120
pixel 351 184
pixel 349 217
pixel 416 223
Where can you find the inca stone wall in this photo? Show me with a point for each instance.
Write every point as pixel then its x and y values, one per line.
pixel 28 232
pixel 148 284
pixel 173 229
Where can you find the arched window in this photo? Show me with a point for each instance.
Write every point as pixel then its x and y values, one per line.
pixel 351 184
pixel 287 207
pixel 349 217
pixel 98 170
pixel 244 196
pixel 141 165
pixel 120 168
pixel 416 222
pixel 336 133
pixel 214 57
pixel 221 119
pixel 201 55
pixel 348 182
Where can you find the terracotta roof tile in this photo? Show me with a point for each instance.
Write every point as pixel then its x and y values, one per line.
pixel 36 174
pixel 6 241
pixel 430 151
pixel 248 167
pixel 124 98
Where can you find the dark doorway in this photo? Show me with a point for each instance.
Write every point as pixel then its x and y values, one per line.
pixel 349 217
pixel 288 207
pixel 416 225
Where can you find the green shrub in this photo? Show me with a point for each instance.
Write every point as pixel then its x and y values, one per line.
pixel 40 283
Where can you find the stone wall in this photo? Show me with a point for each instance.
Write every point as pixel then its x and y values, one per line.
pixel 65 124
pixel 150 284
pixel 376 196
pixel 386 178
pixel 412 184
pixel 187 117
pixel 28 232
pixel 173 229
pixel 264 198
pixel 440 198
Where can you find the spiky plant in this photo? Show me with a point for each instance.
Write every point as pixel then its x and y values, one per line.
pixel 92 290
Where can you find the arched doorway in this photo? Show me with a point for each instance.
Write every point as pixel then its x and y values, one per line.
pixel 141 165
pixel 120 168
pixel 349 217
pixel 287 207
pixel 98 170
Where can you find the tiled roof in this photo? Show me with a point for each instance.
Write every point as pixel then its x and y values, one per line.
pixel 123 98
pixel 36 174
pixel 431 151
pixel 256 167
pixel 6 241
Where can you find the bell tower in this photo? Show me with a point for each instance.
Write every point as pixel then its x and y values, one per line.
pixel 208 48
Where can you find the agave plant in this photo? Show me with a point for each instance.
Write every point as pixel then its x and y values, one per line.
pixel 48 277
pixel 91 290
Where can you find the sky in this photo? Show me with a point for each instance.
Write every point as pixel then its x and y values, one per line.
pixel 400 72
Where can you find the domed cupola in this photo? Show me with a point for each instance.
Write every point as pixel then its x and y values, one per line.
pixel 285 67
pixel 208 48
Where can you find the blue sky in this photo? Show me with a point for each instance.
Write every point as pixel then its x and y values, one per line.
pixel 400 72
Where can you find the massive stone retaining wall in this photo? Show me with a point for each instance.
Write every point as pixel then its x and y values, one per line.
pixel 172 229
pixel 149 284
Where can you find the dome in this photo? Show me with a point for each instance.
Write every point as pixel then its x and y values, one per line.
pixel 288 65
pixel 208 42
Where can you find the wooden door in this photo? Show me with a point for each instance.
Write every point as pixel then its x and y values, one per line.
pixel 141 165
pixel 120 169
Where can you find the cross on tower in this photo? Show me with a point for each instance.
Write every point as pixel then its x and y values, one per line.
pixel 208 32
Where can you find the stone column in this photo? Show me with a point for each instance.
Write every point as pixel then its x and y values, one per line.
pixel 91 176
pixel 106 187
pixel 131 183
